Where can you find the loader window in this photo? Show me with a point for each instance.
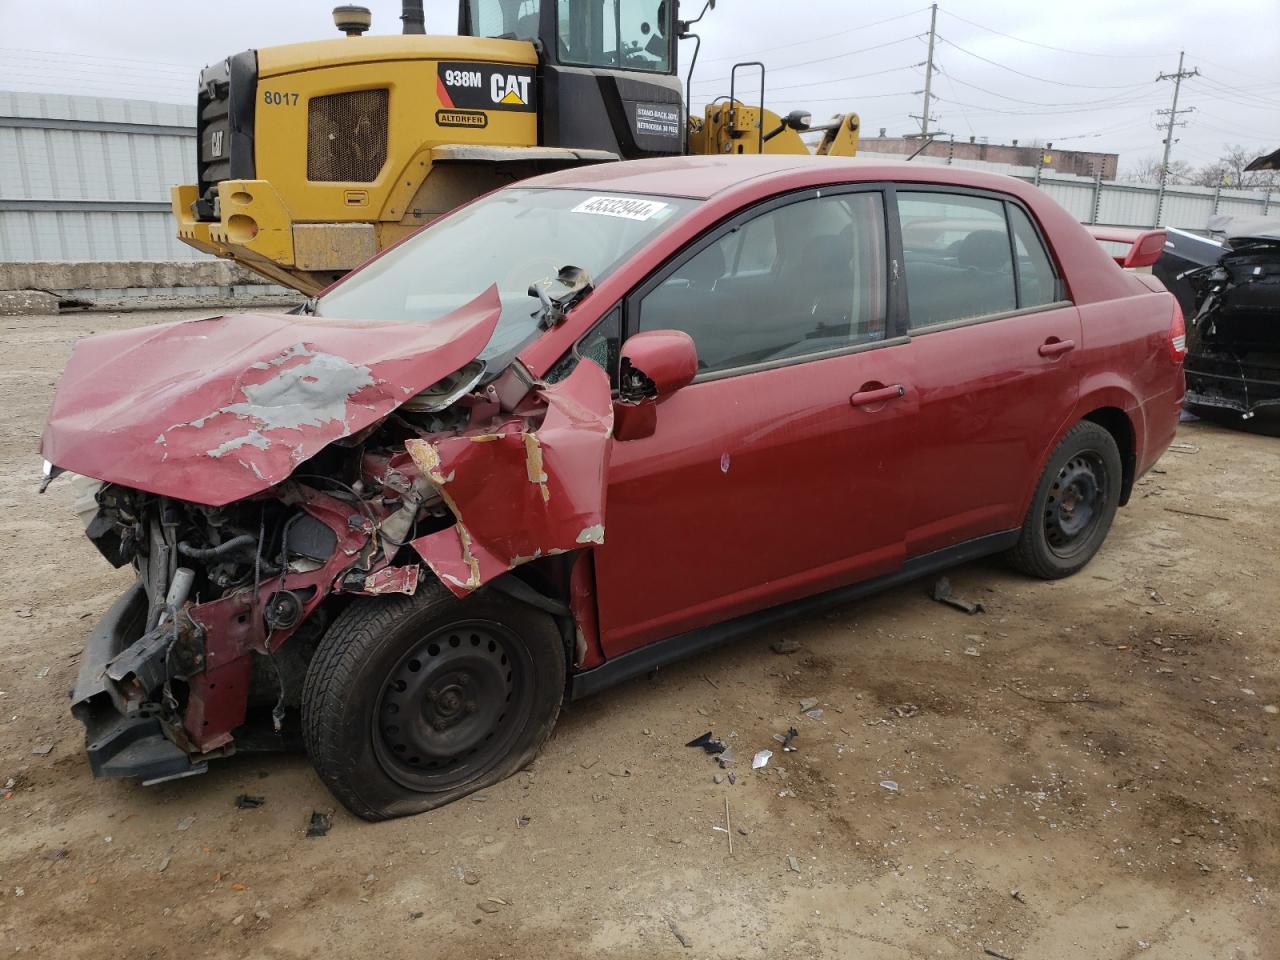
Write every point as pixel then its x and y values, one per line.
pixel 626 34
pixel 504 19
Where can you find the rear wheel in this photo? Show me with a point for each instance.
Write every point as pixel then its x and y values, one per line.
pixel 412 702
pixel 1073 505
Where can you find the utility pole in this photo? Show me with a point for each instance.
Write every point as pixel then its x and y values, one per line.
pixel 924 118
pixel 1172 113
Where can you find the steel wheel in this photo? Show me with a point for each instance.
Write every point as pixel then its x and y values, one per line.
pixel 452 706
pixel 1073 508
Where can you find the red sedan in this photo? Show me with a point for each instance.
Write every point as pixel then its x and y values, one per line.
pixel 583 426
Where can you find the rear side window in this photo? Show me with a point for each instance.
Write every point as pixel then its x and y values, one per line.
pixel 1037 283
pixel 959 263
pixel 801 279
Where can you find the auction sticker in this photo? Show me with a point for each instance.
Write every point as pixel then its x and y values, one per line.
pixel 629 208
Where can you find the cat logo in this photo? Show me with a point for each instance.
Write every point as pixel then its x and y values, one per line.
pixel 462 86
pixel 215 144
pixel 511 89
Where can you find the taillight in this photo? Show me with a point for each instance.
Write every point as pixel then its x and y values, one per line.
pixel 1177 334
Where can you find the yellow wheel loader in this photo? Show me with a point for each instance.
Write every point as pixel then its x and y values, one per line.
pixel 314 156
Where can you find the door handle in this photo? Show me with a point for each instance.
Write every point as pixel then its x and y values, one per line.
pixel 1053 347
pixel 865 398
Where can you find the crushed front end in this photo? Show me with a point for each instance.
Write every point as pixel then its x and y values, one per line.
pixel 1233 341
pixel 259 473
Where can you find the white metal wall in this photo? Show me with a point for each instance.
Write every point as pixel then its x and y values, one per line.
pixel 1128 204
pixel 87 178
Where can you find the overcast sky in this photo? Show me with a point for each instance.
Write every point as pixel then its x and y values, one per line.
pixel 1080 74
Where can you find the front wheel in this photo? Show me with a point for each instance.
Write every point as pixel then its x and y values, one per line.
pixel 412 702
pixel 1073 506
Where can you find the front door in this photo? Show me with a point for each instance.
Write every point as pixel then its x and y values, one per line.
pixel 779 471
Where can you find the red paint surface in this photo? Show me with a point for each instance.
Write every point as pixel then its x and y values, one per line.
pixel 145 407
pixel 513 508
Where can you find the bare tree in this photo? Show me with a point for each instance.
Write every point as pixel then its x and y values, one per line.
pixel 1147 170
pixel 1228 170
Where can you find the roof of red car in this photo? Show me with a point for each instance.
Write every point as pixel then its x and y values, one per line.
pixel 702 177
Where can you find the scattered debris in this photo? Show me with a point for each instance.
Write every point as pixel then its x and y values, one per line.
pixel 679 934
pixel 469 877
pixel 717 778
pixel 320 824
pixel 42 749
pixel 249 802
pixel 793 863
pixel 620 772
pixel 942 593
pixel 588 764
pixel 43 672
pixel 786 738
pixel 972 652
pixel 1017 895
pixel 164 864
pixel 905 710
pixel 732 778
pixel 57 853
pixel 1271 708
pixel 890 785
pixel 808 703
pixel 710 681
pixel 185 823
pixel 725 758
pixel 761 759
pixel 708 743
pixel 996 953
pixel 742 831
pixel 814 714
pixel 728 827
pixel 1193 513
pixel 523 820
pixel 416 914
pixel 1184 448
pixel 784 646
pixel 486 907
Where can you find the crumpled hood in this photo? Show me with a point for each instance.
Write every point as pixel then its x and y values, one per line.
pixel 216 410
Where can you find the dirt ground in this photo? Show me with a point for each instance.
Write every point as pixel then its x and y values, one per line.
pixel 1087 769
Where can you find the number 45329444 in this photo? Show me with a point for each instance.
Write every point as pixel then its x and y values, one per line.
pixel 277 98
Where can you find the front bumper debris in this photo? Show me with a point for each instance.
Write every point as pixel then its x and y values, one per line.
pixel 119 744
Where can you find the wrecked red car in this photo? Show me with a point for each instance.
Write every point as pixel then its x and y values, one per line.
pixel 576 429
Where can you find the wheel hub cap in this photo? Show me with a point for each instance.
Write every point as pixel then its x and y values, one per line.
pixel 1075 503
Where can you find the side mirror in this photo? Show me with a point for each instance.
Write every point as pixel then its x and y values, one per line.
pixel 654 365
pixel 798 120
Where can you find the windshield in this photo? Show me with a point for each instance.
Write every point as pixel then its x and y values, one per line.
pixel 514 238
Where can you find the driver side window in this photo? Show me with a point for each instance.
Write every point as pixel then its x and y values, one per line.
pixel 801 279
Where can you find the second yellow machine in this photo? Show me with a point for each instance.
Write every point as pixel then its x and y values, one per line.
pixel 314 156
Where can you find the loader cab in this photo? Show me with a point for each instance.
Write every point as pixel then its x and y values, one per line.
pixel 606 77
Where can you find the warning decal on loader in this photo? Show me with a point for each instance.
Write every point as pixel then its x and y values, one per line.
pixel 485 86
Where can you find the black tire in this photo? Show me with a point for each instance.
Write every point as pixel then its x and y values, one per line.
pixel 412 702
pixel 1073 506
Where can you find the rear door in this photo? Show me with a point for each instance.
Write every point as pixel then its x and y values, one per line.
pixel 995 352
pixel 778 472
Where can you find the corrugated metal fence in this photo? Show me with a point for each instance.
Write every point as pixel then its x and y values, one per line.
pixel 87 178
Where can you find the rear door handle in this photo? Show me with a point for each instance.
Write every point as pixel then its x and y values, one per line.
pixel 1053 347
pixel 865 398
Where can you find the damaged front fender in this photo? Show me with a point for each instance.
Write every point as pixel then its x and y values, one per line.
pixel 520 490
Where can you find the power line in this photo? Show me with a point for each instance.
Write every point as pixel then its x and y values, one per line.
pixel 837 56
pixel 1046 46
pixel 1032 76
pixel 1038 103
pixel 62 55
pixel 832 36
pixel 859 76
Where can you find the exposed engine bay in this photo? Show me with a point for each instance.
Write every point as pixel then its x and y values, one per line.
pixel 1233 330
